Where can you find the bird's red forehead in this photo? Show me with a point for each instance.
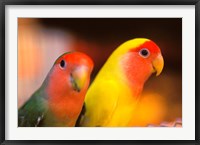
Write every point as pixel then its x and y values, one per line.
pixel 150 45
pixel 76 58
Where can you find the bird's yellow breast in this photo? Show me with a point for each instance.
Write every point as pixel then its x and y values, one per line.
pixel 109 100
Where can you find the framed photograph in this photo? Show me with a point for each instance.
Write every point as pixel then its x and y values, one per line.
pixel 79 72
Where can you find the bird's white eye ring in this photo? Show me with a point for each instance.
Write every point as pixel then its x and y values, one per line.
pixel 62 64
pixel 144 52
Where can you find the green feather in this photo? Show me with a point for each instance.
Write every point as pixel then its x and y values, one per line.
pixel 33 111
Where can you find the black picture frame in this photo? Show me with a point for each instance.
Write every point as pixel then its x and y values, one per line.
pixel 3 4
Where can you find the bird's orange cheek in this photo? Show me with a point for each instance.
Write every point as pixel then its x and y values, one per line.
pixel 138 70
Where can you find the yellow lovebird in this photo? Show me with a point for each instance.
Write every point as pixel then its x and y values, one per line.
pixel 114 93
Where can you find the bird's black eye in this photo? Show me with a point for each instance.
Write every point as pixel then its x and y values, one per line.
pixel 144 52
pixel 62 64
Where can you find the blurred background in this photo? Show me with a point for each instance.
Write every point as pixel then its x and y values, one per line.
pixel 41 41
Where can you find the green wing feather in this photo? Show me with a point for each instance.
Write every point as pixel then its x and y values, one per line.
pixel 33 111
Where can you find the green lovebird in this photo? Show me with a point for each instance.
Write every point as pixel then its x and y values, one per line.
pixel 59 100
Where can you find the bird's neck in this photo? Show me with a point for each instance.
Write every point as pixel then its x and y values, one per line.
pixel 65 108
pixel 65 105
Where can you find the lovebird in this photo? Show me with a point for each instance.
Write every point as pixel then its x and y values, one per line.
pixel 112 97
pixel 59 100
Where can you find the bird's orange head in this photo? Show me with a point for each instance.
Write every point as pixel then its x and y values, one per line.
pixel 141 57
pixel 67 83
